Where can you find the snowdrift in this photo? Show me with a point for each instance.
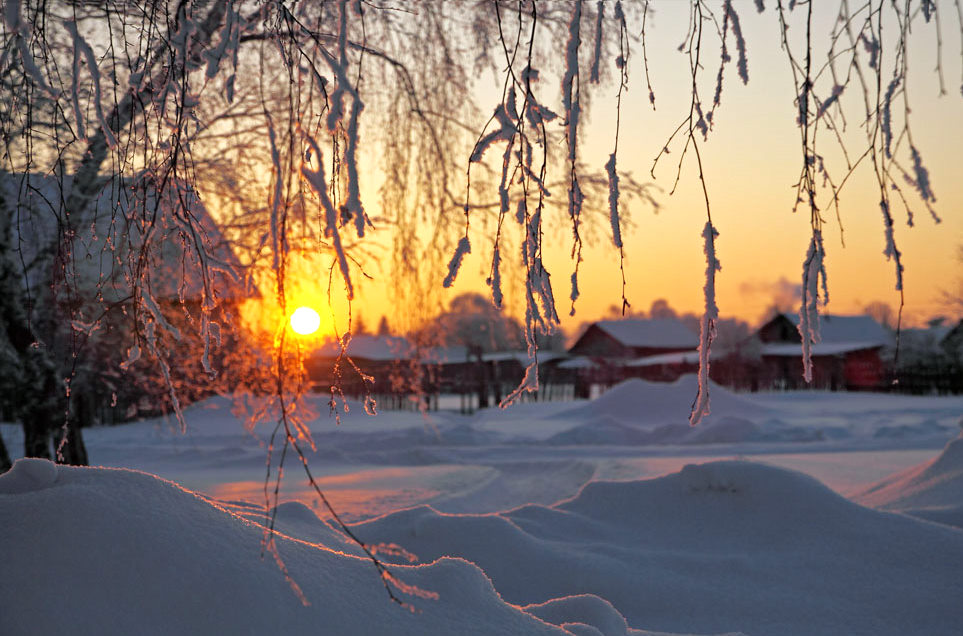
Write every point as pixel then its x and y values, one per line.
pixel 717 547
pixel 103 551
pixel 637 412
pixel 656 403
pixel 932 490
pixel 511 484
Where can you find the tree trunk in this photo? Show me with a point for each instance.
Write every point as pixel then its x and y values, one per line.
pixel 481 376
pixel 34 379
pixel 5 463
pixel 40 399
pixel 36 442
pixel 70 441
pixel 36 437
pixel 74 451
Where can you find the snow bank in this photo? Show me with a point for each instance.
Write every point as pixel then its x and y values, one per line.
pixel 512 484
pixel 718 430
pixel 28 475
pixel 716 547
pixel 94 551
pixel 585 613
pixel 933 490
pixel 648 404
pixel 638 412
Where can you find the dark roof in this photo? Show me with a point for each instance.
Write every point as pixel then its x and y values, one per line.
pixel 849 329
pixel 390 348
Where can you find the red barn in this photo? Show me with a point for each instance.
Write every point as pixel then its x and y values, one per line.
pixel 631 339
pixel 612 350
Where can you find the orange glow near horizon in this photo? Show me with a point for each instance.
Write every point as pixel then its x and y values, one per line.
pixel 313 310
pixel 751 162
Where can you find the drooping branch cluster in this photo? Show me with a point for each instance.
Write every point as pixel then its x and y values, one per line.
pixel 524 162
pixel 867 37
pixel 696 123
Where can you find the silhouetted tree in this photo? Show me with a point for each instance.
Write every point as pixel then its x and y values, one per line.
pixel 383 328
pixel 881 313
pixel 474 322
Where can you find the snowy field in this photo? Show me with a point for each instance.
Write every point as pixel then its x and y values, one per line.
pixel 790 513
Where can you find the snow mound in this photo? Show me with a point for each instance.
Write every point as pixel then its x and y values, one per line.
pixel 295 520
pixel 718 547
pixel 512 484
pixel 28 474
pixel 948 515
pixel 738 502
pixel 724 430
pixel 648 404
pixel 608 430
pixel 583 612
pixel 926 428
pixel 120 552
pixel 933 490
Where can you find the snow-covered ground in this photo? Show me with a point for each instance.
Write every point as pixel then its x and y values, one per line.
pixel 603 517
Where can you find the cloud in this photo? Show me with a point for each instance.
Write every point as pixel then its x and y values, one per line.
pixel 784 293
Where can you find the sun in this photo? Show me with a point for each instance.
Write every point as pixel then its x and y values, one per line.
pixel 305 321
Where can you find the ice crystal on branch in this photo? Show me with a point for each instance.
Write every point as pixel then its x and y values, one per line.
pixel 814 271
pixel 707 325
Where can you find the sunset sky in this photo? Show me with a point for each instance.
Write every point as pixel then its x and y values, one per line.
pixel 752 161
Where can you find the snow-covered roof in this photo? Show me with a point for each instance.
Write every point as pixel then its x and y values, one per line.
pixel 682 357
pixel 578 362
pixel 445 354
pixel 116 225
pixel 519 356
pixel 793 349
pixel 657 332
pixel 368 347
pixel 924 339
pixel 849 329
pixel 390 348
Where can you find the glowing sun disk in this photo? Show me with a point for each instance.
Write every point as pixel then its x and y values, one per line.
pixel 305 321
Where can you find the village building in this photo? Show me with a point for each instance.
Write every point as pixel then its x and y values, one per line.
pixel 610 351
pixel 400 374
pixel 952 342
pixel 930 359
pixel 847 356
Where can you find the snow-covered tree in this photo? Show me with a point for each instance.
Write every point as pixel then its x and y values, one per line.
pixel 474 322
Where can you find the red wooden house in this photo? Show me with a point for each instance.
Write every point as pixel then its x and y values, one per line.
pixel 612 350
pixel 847 355
pixel 631 339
